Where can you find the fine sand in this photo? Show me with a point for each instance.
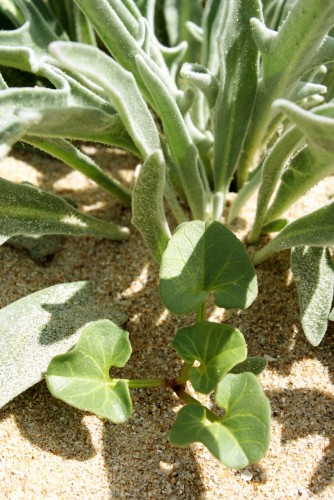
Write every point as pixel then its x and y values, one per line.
pixel 50 450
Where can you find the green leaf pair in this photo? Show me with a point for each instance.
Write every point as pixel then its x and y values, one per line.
pixel 241 436
pixel 81 378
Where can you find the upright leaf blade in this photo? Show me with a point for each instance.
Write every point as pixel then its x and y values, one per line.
pixel 238 439
pixel 147 204
pixel 201 258
pixel 239 60
pixel 81 376
pixel 182 149
pixel 217 346
pixel 119 84
pixel 38 327
pixel 313 271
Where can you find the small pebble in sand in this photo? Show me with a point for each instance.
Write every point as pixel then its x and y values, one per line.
pixel 246 475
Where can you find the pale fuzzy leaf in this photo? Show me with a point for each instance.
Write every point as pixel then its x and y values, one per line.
pixel 25 209
pixel 3 84
pixel 70 110
pixel 72 156
pixel 305 170
pixel 202 78
pixel 119 84
pixel 306 89
pixel 298 40
pixel 121 40
pixel 147 204
pixel 81 376
pixel 313 270
pixel 211 23
pixel 286 57
pixel 26 47
pixel 13 126
pixel 36 328
pixel 182 149
pixel 239 66
pixel 272 167
pixel 178 15
pixel 203 258
pixel 331 316
pixel 241 436
pixel 314 229
pixel 318 128
pixel 218 347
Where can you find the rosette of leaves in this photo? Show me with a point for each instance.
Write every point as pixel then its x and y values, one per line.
pixel 205 94
pixel 189 273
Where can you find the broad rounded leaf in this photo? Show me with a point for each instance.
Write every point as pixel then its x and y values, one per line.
pixel 238 439
pixel 203 257
pixel 36 328
pixel 81 376
pixel 218 347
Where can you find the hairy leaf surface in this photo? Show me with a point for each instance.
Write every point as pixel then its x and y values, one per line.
pixel 313 271
pixel 314 229
pixel 25 209
pixel 36 328
pixel 147 204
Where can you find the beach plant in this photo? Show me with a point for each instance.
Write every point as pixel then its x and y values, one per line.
pixel 211 97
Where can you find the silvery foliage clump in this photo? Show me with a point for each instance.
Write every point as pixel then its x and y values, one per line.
pixel 205 94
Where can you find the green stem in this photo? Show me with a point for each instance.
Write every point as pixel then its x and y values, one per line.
pixel 184 374
pixel 186 398
pixel 201 312
pixel 142 383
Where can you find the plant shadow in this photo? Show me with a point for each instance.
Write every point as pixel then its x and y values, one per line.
pixel 310 421
pixel 50 424
pixel 155 467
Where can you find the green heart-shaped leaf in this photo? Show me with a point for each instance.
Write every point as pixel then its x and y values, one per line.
pixel 203 257
pixel 81 376
pixel 218 347
pixel 238 439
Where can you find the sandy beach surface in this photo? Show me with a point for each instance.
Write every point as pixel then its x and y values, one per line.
pixel 50 450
